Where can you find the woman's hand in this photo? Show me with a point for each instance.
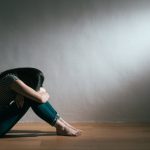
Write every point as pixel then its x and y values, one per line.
pixel 19 100
pixel 42 90
pixel 45 96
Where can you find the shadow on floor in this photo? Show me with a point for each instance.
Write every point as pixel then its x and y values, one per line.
pixel 28 133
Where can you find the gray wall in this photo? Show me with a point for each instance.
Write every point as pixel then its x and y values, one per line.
pixel 95 54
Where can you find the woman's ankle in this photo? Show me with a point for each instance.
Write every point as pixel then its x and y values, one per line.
pixel 59 124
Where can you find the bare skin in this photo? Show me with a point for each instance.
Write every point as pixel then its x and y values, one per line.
pixel 67 124
pixel 65 130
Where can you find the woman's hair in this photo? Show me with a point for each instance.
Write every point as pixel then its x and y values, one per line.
pixel 31 76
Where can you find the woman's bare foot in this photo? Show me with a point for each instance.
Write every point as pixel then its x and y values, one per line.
pixel 67 124
pixel 62 129
pixel 65 131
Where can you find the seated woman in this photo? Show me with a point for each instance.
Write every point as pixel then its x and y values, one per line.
pixel 22 88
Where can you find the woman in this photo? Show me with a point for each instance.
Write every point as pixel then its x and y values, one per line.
pixel 20 89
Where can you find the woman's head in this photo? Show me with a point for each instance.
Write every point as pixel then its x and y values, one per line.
pixel 31 76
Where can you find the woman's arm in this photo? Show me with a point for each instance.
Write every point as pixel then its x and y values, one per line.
pixel 21 88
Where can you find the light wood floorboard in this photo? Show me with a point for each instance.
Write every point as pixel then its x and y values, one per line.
pixel 95 136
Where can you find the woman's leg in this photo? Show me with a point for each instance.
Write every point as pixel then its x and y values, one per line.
pixel 49 114
pixel 10 115
pixel 45 111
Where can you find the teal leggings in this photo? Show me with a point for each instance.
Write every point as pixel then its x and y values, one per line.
pixel 10 114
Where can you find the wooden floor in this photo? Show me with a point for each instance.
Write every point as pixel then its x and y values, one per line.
pixel 41 136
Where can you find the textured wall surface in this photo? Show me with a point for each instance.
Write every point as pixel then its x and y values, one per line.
pixel 95 54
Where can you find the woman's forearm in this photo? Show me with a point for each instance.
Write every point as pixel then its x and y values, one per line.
pixel 23 89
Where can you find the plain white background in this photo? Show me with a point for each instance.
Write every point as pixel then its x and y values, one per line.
pixel 94 54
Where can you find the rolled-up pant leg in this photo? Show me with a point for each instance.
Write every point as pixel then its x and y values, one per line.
pixel 45 111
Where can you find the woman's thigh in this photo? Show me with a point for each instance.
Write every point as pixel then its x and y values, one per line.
pixel 4 111
pixel 8 111
pixel 9 116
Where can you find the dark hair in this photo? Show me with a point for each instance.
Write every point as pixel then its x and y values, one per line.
pixel 33 77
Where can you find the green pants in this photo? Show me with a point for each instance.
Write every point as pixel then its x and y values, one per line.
pixel 10 115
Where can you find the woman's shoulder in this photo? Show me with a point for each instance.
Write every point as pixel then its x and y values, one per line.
pixel 8 79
